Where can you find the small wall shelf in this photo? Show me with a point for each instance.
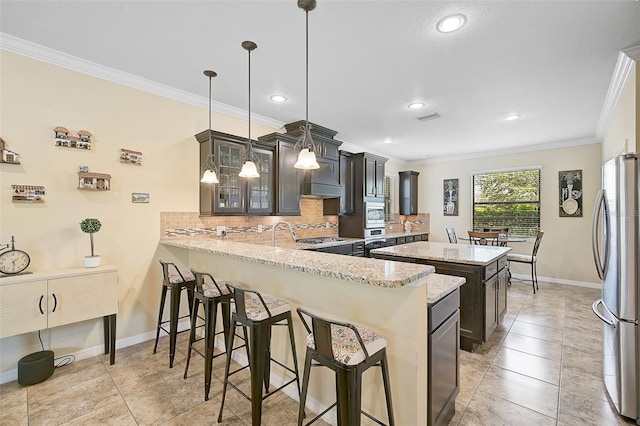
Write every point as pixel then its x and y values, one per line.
pixel 94 181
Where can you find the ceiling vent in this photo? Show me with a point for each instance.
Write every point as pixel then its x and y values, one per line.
pixel 429 117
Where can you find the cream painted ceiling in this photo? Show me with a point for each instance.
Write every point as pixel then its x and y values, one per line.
pixel 549 61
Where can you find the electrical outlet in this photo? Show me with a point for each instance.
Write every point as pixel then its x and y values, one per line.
pixel 221 230
pixel 327 225
pixel 259 229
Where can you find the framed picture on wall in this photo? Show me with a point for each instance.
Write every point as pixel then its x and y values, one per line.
pixel 570 189
pixel 450 197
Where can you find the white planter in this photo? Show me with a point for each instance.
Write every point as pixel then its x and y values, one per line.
pixel 92 261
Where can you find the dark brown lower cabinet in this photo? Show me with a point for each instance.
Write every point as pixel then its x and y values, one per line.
pixel 443 380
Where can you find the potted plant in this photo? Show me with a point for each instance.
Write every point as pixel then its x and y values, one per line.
pixel 91 226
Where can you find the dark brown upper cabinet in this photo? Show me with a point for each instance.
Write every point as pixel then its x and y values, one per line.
pixel 323 182
pixel 345 205
pixel 288 179
pixel 369 177
pixel 408 192
pixel 235 195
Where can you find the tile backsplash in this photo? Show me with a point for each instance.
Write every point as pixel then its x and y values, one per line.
pixel 311 223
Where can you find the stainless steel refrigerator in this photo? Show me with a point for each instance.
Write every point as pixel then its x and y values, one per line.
pixel 616 242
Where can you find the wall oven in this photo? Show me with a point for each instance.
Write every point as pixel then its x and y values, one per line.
pixel 373 215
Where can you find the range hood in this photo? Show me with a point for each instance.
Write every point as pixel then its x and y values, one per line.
pixel 325 181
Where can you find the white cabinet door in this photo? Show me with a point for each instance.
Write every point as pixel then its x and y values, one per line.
pixel 73 299
pixel 23 308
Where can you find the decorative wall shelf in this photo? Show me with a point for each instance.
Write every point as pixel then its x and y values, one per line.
pixel 130 157
pixel 27 194
pixel 82 141
pixel 94 181
pixel 8 157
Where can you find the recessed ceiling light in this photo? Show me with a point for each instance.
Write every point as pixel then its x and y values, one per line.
pixel 512 117
pixel 416 105
pixel 387 141
pixel 278 98
pixel 451 23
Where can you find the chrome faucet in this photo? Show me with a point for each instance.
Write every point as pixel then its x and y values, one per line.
pixel 273 232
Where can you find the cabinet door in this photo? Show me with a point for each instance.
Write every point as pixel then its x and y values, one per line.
pixel 503 278
pixel 408 193
pixel 289 180
pixel 260 189
pixel 444 369
pixel 490 306
pixel 23 308
pixel 347 180
pixel 369 177
pixel 78 298
pixel 231 189
pixel 379 181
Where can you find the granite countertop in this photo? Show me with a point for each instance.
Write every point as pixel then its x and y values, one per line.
pixel 439 285
pixel 381 273
pixel 303 246
pixel 445 252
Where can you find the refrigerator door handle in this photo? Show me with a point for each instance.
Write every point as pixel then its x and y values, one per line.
pixel 600 212
pixel 599 315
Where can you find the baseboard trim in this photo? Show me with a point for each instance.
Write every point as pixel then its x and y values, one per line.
pixel 559 281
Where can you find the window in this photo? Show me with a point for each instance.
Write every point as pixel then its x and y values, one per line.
pixel 507 199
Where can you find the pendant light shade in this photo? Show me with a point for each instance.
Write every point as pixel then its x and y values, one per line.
pixel 210 174
pixel 249 169
pixel 306 146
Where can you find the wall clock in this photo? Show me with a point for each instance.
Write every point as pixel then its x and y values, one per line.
pixel 13 261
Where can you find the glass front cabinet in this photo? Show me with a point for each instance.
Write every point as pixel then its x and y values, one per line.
pixel 235 195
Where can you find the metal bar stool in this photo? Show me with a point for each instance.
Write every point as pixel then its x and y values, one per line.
pixel 258 313
pixel 175 281
pixel 210 294
pixel 349 350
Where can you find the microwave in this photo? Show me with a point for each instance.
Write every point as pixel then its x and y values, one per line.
pixel 374 215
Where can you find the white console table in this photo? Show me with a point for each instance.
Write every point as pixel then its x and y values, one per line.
pixel 41 300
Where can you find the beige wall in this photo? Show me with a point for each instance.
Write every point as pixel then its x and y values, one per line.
pixel 36 97
pixel 621 135
pixel 565 252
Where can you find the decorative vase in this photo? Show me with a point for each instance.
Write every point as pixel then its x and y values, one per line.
pixel 92 261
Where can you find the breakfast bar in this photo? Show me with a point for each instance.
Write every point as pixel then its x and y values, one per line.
pixel 388 297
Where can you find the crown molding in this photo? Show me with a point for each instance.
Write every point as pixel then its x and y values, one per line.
pixel 626 62
pixel 55 57
pixel 507 151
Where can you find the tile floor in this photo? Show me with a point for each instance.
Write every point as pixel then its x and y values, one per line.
pixel 542 366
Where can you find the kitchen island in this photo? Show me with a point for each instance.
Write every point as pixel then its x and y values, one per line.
pixel 388 297
pixel 483 298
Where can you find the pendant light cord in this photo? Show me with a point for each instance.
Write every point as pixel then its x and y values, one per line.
pixel 307 66
pixel 249 153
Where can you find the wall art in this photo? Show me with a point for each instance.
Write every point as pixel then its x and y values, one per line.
pixel 9 157
pixel 128 156
pixel 27 193
pixel 570 188
pixel 451 197
pixel 139 197
pixel 63 138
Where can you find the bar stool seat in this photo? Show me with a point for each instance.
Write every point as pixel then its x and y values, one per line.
pixel 258 313
pixel 174 280
pixel 210 294
pixel 349 350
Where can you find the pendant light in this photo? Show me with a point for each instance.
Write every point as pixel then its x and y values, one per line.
pixel 210 174
pixel 249 169
pixel 306 157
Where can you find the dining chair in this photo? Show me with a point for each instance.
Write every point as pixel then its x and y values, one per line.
pixel 484 238
pixel 503 238
pixel 451 233
pixel 530 259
